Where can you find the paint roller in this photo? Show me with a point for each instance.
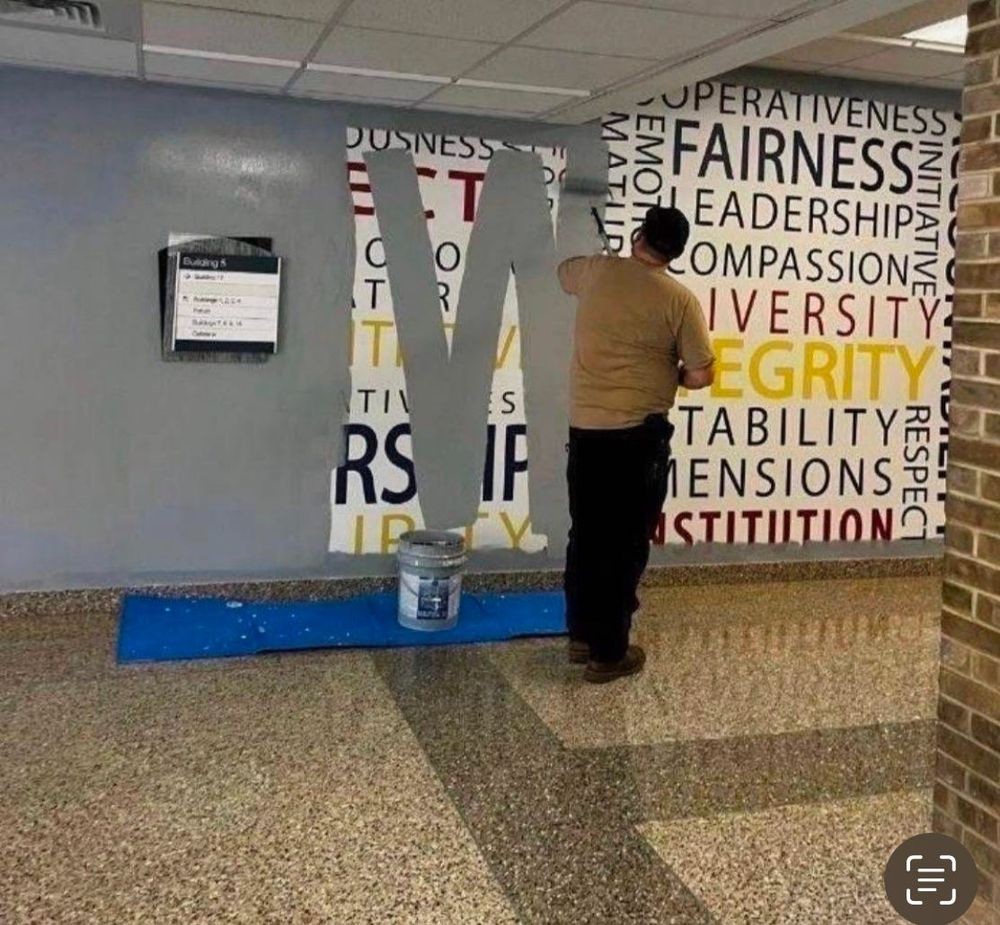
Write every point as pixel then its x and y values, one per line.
pixel 592 189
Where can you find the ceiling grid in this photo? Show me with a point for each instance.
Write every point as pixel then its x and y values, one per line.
pixel 554 60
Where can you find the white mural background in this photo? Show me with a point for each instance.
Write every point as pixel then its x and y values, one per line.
pixel 822 253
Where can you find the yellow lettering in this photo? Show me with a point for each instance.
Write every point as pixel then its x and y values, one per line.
pixel 820 362
pixel 915 370
pixel 781 369
pixel 359 534
pixel 722 366
pixel 785 374
pixel 377 327
pixel 876 352
pixel 848 371
pixel 507 344
pixel 515 535
pixel 389 539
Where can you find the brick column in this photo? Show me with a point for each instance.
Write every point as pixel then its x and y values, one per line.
pixel 967 791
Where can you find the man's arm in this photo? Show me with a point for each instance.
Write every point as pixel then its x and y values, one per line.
pixel 698 378
pixel 571 274
pixel 694 346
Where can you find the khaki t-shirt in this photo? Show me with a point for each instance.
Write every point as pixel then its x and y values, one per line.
pixel 634 325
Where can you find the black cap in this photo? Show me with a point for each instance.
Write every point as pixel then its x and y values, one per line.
pixel 666 231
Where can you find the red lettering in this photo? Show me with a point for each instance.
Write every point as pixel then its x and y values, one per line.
pixel 816 313
pixel 807 519
pixel 776 310
pixel 679 525
pixel 659 536
pixel 359 167
pixel 742 321
pixel 471 179
pixel 882 524
pixel 431 173
pixel 361 187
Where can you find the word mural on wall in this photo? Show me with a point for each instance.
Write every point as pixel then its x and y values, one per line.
pixel 822 252
pixel 374 494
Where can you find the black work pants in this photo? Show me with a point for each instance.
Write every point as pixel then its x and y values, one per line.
pixel 617 486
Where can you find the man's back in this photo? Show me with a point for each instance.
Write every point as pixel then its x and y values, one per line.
pixel 638 333
pixel 634 325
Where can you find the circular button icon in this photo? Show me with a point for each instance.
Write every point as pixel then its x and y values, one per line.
pixel 931 880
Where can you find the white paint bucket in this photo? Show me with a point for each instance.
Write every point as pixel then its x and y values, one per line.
pixel 430 579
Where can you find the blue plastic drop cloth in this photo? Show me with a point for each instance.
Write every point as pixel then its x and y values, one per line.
pixel 163 629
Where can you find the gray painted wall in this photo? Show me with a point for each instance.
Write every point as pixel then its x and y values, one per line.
pixel 116 467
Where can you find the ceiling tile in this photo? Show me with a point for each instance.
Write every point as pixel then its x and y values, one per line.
pixel 318 10
pixel 748 9
pixel 630 31
pixel 497 100
pixel 913 17
pixel 325 84
pixel 397 51
pixel 550 68
pixel 486 20
pixel 202 70
pixel 43 48
pixel 909 62
pixel 232 33
pixel 826 52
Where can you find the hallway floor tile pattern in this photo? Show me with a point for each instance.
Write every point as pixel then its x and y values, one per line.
pixel 865 652
pixel 820 862
pixel 779 744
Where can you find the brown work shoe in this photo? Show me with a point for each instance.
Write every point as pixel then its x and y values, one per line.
pixel 579 652
pixel 602 672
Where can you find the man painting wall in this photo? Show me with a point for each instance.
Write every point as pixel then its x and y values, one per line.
pixel 639 335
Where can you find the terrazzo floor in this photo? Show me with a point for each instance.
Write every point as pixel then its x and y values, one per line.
pixel 778 746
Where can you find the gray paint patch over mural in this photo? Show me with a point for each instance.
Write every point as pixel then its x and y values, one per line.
pixel 513 229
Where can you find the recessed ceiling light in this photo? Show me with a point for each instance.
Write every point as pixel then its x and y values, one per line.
pixel 217 56
pixel 382 75
pixel 947 32
pixel 520 88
